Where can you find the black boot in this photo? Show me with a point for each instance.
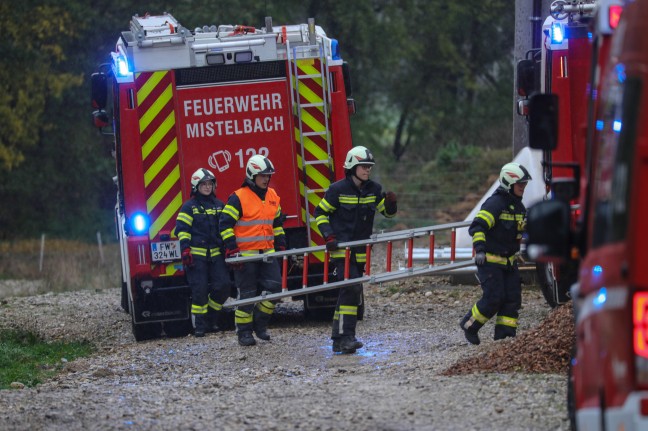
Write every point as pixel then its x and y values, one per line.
pixel 261 332
pixel 261 319
pixel 245 338
pixel 200 324
pixel 336 345
pixel 470 327
pixel 211 321
pixel 349 344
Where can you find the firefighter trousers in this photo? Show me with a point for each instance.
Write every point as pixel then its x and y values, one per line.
pixel 251 280
pixel 345 317
pixel 209 280
pixel 501 295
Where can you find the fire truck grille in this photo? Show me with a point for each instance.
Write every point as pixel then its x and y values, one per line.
pixel 230 72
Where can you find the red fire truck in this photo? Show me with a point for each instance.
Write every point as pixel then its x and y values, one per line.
pixel 568 56
pixel 608 384
pixel 213 97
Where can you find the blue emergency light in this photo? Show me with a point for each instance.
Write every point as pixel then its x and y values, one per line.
pixel 557 33
pixel 121 66
pixel 139 223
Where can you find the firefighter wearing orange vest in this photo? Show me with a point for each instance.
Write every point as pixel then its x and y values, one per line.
pixel 251 224
pixel 497 231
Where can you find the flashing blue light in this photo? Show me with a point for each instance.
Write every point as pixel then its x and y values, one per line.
pixel 335 49
pixel 617 126
pixel 139 223
pixel 557 33
pixel 601 298
pixel 122 67
pixel 589 35
pixel 597 270
pixel 621 72
pixel 599 124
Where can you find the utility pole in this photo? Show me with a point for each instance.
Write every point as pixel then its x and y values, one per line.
pixel 529 16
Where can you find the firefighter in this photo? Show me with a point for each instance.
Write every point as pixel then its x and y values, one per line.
pixel 346 213
pixel 251 224
pixel 497 231
pixel 201 245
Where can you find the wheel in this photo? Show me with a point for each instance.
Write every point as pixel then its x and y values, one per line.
pixel 555 282
pixel 146 331
pixel 178 328
pixel 324 314
pixel 124 297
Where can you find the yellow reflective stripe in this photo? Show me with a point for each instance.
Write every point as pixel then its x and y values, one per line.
pixel 493 258
pixel 198 309
pixel 231 211
pixel 184 235
pixel 487 217
pixel 327 207
pixel 227 233
pixel 184 217
pixel 215 305
pixel 242 317
pixel 361 257
pixel 506 321
pixel 477 315
pixel 266 307
pixel 278 231
pixel 199 251
pixel 506 216
pixel 479 236
pixel 337 254
pixel 367 199
pixel 336 315
pixel 322 219
pixel 349 310
pixel 349 200
pixel 519 217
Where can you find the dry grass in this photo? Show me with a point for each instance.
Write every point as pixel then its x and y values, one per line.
pixel 65 265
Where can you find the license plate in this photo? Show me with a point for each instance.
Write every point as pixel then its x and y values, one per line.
pixel 164 251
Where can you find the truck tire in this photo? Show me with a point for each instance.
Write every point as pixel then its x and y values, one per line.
pixel 555 282
pixel 178 328
pixel 124 297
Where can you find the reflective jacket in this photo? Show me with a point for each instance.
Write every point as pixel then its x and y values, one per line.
pixel 347 212
pixel 498 227
pixel 251 220
pixel 197 225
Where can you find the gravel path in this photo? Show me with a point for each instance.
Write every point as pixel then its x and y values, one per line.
pixel 291 382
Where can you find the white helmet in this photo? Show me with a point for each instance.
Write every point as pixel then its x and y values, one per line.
pixel 200 176
pixel 258 165
pixel 358 156
pixel 512 173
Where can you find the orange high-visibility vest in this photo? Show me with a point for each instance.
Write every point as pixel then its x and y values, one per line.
pixel 254 229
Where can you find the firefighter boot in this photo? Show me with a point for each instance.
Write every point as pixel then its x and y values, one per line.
pixel 262 313
pixel 245 338
pixel 349 344
pixel 502 331
pixel 199 324
pixel 336 345
pixel 212 318
pixel 470 327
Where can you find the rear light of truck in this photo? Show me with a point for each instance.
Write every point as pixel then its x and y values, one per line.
pixel 640 337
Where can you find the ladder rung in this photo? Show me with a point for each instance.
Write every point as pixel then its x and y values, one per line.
pixel 323 132
pixel 310 105
pixel 316 162
pixel 312 75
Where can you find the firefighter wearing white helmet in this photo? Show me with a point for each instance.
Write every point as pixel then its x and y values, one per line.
pixel 346 213
pixel 251 224
pixel 202 257
pixel 496 232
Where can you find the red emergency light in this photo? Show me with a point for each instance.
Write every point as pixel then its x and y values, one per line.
pixel 640 323
pixel 614 15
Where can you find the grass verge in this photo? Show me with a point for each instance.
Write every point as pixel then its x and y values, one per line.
pixel 27 359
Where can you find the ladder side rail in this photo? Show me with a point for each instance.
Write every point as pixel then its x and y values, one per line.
pixel 374 239
pixel 374 279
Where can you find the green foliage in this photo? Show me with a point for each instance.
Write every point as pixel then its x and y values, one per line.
pixel 27 359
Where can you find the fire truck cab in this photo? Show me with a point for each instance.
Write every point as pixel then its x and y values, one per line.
pixel 608 383
pixel 213 97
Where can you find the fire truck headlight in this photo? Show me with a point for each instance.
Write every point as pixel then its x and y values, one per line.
pixel 139 223
pixel 557 33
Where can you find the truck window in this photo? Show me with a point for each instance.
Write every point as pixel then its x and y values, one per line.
pixel 616 148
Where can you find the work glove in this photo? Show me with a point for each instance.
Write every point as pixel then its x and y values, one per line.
pixel 230 253
pixel 480 258
pixel 187 258
pixel 331 243
pixel 390 201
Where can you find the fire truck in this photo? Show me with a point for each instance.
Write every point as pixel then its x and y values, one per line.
pixel 213 97
pixel 562 66
pixel 608 373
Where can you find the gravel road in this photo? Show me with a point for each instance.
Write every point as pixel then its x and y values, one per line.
pixel 292 382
